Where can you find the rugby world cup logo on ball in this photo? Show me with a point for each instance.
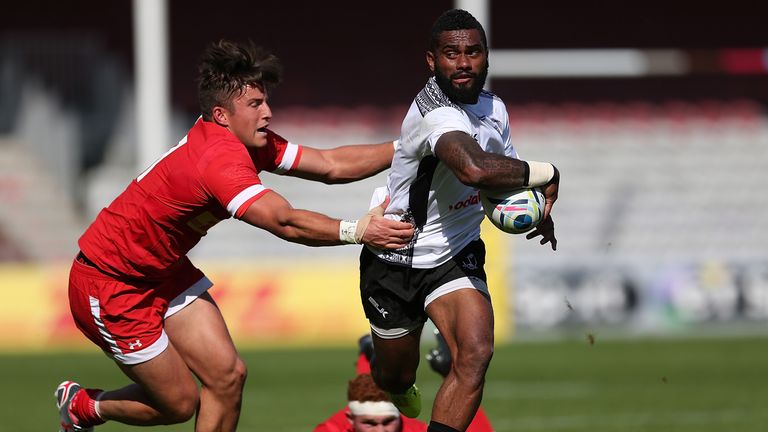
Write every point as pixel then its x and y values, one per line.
pixel 516 211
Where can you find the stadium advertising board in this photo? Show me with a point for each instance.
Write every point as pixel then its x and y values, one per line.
pixel 284 303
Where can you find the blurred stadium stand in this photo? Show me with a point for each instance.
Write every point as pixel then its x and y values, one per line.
pixel 662 175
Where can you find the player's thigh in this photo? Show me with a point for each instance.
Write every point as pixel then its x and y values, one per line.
pixel 464 318
pixel 165 378
pixel 200 335
pixel 400 354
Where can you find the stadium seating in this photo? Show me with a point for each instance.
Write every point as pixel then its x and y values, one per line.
pixel 642 182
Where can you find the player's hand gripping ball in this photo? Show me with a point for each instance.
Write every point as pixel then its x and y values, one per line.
pixel 516 211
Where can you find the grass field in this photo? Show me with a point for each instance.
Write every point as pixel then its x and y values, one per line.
pixel 685 385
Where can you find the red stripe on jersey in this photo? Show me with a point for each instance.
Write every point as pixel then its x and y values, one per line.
pixel 152 225
pixel 298 158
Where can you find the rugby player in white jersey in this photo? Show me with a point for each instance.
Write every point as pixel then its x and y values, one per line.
pixel 454 141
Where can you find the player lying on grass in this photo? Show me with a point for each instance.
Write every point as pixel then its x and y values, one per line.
pixel 369 408
pixel 132 289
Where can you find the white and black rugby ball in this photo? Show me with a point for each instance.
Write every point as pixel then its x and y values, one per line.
pixel 516 211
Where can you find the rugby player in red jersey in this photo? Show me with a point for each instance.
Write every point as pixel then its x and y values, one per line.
pixel 370 409
pixel 134 292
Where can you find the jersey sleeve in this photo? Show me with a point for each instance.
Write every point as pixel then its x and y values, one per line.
pixel 231 178
pixel 278 156
pixel 506 136
pixel 378 197
pixel 336 423
pixel 480 423
pixel 442 120
pixel 413 425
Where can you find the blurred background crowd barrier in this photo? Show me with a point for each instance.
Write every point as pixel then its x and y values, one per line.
pixel 662 219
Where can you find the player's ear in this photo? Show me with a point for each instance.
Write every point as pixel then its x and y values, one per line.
pixel 220 115
pixel 349 417
pixel 431 61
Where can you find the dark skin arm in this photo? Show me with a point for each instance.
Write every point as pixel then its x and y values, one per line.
pixel 482 170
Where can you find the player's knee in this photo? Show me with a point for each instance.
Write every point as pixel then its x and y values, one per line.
pixel 472 360
pixel 394 381
pixel 182 409
pixel 239 374
pixel 232 379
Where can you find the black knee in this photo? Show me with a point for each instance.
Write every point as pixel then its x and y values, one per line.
pixel 472 361
pixel 397 381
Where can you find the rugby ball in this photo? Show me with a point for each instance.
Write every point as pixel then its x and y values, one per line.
pixel 516 211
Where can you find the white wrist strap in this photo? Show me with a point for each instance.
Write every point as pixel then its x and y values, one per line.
pixel 396 144
pixel 540 173
pixel 347 230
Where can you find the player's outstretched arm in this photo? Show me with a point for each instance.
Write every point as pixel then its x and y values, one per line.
pixel 276 215
pixel 490 171
pixel 344 164
pixel 483 170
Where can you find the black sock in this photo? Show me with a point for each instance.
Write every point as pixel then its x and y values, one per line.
pixel 439 427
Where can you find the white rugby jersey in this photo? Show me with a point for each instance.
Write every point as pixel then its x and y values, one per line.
pixel 446 213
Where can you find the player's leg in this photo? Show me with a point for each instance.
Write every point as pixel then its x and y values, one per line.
pixel 395 311
pixel 126 321
pixel 394 370
pixel 199 333
pixel 465 319
pixel 394 366
pixel 164 392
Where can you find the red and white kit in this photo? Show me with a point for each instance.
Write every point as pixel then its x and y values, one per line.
pixel 133 271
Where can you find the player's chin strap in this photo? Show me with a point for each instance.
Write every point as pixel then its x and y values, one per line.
pixel 351 231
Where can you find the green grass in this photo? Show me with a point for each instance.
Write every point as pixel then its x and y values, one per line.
pixel 682 385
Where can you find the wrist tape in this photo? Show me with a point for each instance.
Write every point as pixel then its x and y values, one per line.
pixel 347 230
pixel 539 173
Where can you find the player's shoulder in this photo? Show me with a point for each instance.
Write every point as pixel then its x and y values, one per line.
pixel 494 105
pixel 217 150
pixel 431 97
pixel 492 97
pixel 413 425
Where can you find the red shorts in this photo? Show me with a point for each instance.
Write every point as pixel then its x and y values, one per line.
pixel 125 318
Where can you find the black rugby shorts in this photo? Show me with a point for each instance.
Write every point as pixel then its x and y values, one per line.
pixel 395 296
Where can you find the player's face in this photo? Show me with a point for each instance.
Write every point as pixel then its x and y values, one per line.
pixel 248 117
pixel 372 423
pixel 460 64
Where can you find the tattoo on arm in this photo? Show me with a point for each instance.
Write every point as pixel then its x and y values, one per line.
pixel 462 154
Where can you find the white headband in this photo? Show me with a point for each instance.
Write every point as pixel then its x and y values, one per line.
pixel 373 408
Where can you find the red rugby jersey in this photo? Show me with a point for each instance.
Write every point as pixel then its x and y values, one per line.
pixel 340 423
pixel 208 177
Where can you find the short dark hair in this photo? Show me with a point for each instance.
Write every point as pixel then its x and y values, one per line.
pixel 455 19
pixel 227 67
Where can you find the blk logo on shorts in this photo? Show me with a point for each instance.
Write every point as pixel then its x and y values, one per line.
pixel 470 262
pixel 376 305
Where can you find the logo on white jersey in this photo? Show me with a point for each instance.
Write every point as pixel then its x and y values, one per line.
pixel 472 200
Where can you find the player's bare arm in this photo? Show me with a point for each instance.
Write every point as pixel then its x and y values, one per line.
pixel 490 171
pixel 483 170
pixel 344 164
pixel 276 215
